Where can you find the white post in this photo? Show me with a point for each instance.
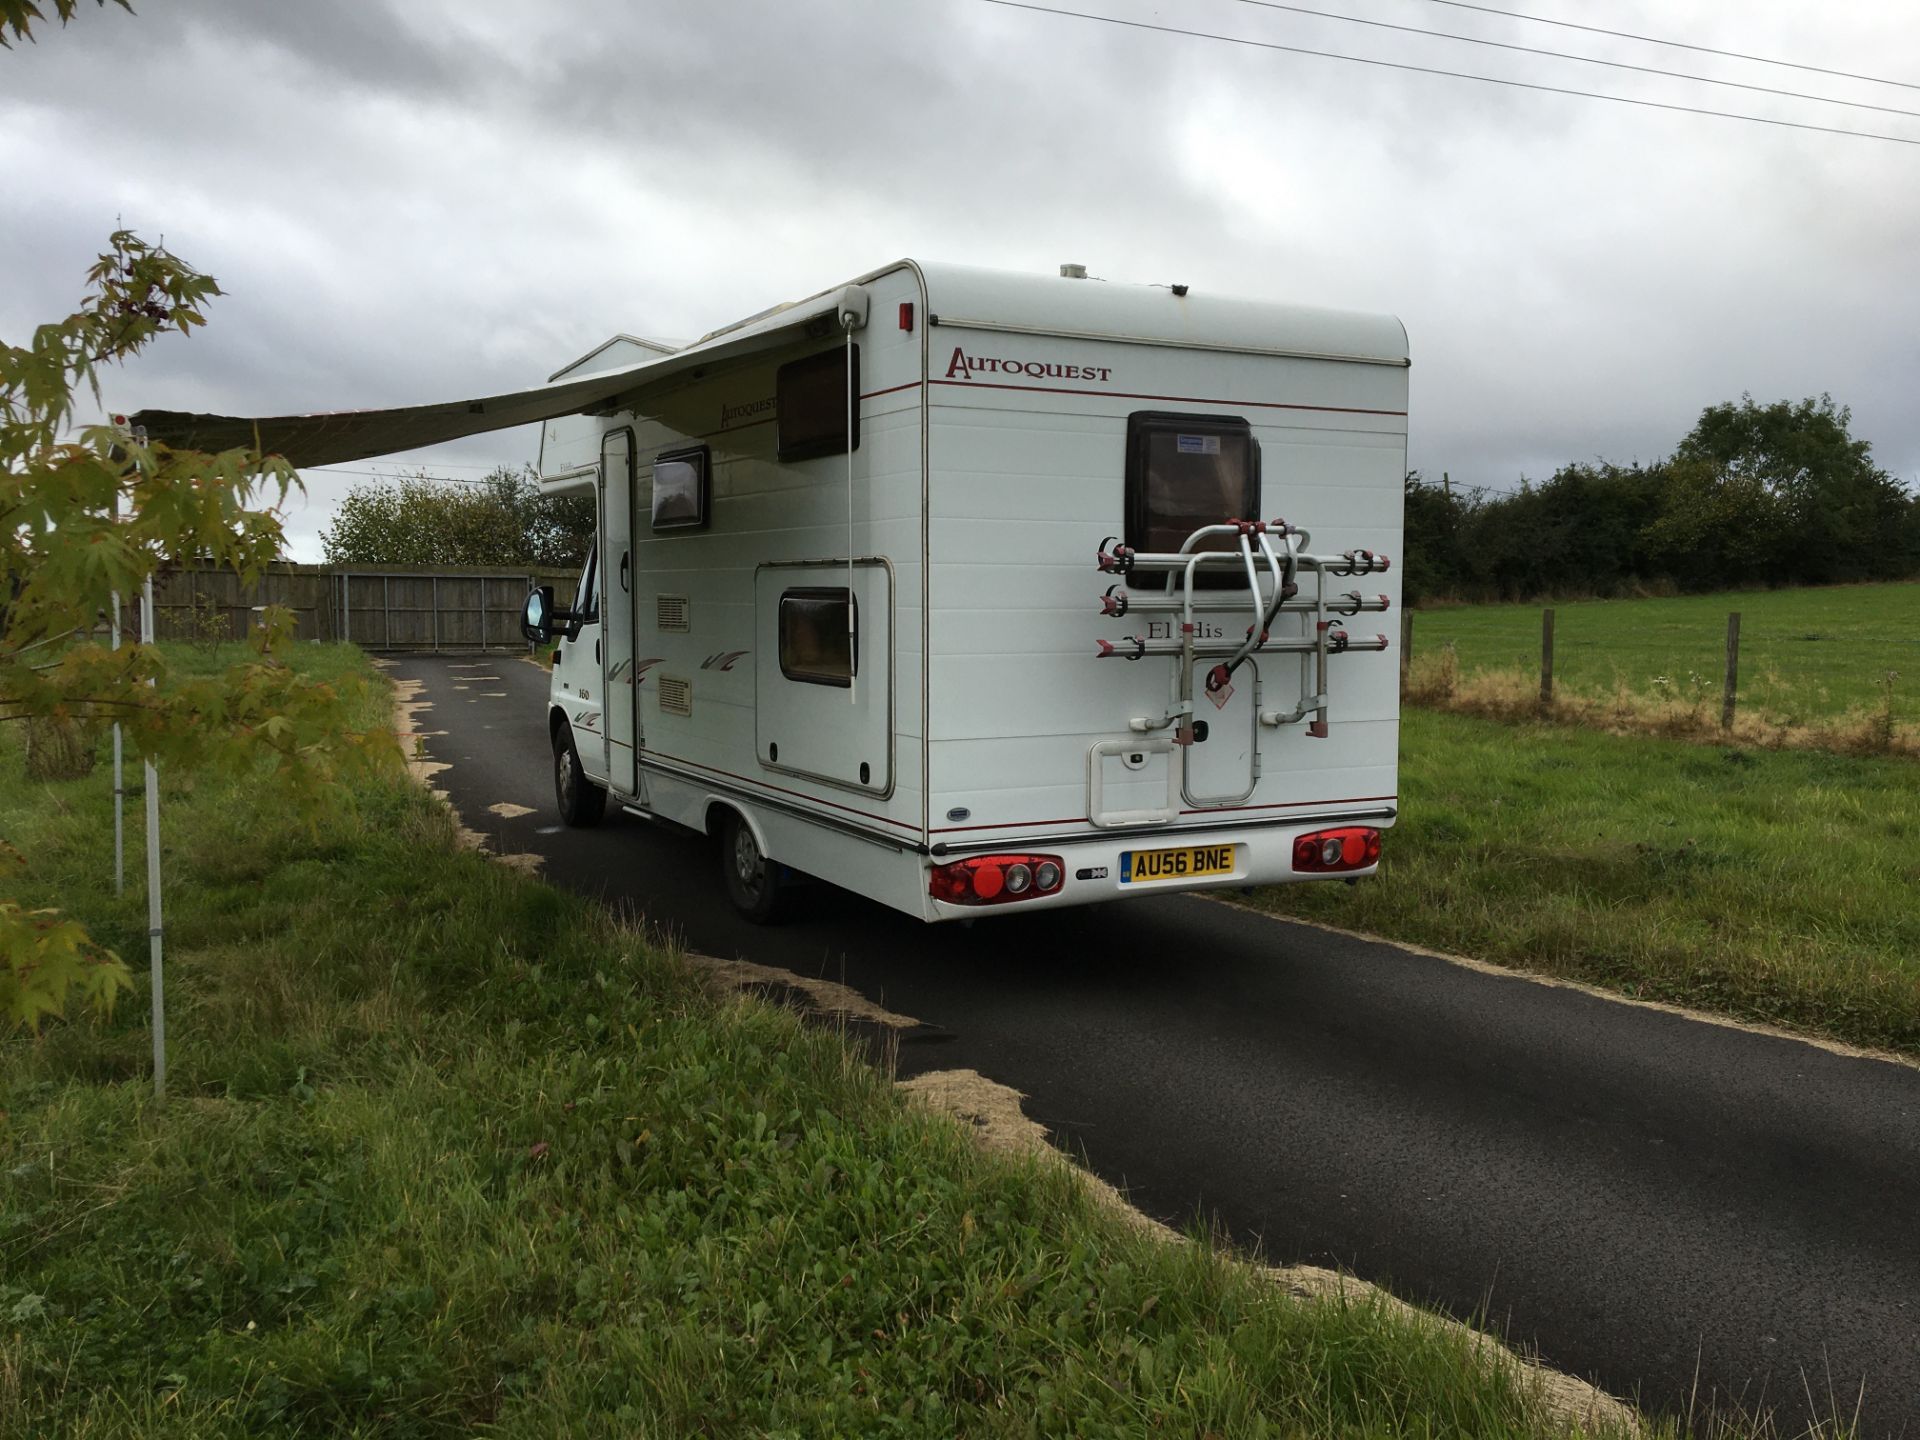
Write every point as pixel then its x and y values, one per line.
pixel 119 785
pixel 155 929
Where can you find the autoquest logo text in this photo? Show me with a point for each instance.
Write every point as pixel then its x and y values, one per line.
pixel 964 366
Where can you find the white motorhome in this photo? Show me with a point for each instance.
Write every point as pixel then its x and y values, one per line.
pixel 972 591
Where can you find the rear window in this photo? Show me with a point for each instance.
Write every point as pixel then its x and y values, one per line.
pixel 816 647
pixel 1185 472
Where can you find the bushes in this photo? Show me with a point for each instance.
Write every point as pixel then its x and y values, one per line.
pixel 1779 494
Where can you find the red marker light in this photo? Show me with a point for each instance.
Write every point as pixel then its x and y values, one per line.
pixel 1351 847
pixel 995 879
pixel 906 316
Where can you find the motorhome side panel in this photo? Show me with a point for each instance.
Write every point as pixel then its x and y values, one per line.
pixel 830 773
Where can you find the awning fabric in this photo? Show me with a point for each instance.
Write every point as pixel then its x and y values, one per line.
pixel 331 439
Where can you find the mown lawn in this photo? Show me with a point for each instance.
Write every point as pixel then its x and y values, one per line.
pixel 1781 886
pixel 1804 654
pixel 448 1153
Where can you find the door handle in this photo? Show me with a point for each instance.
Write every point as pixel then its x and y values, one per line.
pixel 625 560
pixel 596 650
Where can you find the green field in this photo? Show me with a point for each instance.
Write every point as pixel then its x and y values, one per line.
pixel 1804 654
pixel 1781 886
pixel 448 1153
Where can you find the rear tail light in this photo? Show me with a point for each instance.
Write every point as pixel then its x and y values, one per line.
pixel 1352 847
pixel 995 879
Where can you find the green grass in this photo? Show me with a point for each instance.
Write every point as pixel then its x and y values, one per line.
pixel 449 1153
pixel 1804 654
pixel 1777 886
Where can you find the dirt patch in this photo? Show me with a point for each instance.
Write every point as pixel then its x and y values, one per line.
pixel 825 996
pixel 507 810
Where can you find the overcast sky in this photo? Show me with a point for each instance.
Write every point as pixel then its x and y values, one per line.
pixel 439 198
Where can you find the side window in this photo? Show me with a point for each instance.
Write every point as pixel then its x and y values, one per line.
pixel 1185 472
pixel 681 489
pixel 586 603
pixel 815 646
pixel 810 405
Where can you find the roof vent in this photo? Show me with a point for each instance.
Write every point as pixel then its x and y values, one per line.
pixel 1073 272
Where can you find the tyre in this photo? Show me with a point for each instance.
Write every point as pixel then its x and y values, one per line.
pixel 753 881
pixel 581 802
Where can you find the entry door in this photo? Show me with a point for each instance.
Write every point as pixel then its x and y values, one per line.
pixel 617 587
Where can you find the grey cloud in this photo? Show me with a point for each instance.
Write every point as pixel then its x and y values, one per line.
pixel 410 202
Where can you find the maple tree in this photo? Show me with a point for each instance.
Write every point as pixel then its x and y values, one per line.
pixel 88 511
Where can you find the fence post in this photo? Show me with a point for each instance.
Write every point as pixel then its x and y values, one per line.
pixel 1406 645
pixel 1733 670
pixel 1546 659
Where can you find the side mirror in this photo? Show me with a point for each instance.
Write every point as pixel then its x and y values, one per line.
pixel 536 623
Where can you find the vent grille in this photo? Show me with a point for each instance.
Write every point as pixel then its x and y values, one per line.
pixel 673 613
pixel 676 695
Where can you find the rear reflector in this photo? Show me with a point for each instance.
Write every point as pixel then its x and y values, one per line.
pixel 995 879
pixel 1352 847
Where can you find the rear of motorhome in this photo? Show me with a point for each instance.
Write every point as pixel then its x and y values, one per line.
pixel 985 593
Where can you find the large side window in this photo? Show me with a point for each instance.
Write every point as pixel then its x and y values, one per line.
pixel 810 405
pixel 816 644
pixel 1186 471
pixel 586 602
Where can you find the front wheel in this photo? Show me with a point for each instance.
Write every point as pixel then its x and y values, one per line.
pixel 753 881
pixel 581 802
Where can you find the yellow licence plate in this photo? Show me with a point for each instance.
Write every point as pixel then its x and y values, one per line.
pixel 1190 863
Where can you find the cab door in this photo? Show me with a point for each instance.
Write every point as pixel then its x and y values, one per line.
pixel 619 684
pixel 578 686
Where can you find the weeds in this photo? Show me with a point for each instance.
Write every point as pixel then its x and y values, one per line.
pixel 1683 708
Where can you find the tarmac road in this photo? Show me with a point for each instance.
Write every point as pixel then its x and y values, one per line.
pixel 1668 1207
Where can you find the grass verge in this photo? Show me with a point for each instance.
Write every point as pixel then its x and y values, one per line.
pixel 450 1153
pixel 1775 886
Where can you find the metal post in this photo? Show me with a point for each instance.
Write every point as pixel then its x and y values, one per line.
pixel 1733 670
pixel 119 784
pixel 156 929
pixel 483 613
pixel 1546 659
pixel 436 614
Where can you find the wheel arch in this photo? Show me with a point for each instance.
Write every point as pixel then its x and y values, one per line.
pixel 716 811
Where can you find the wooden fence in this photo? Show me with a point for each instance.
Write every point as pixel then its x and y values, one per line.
pixel 381 607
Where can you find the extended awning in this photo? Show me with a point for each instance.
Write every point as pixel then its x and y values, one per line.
pixel 330 439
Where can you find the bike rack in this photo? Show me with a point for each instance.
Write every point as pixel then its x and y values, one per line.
pixel 1265 598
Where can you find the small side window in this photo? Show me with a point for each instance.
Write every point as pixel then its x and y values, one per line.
pixel 1187 471
pixel 810 403
pixel 681 489
pixel 586 601
pixel 816 647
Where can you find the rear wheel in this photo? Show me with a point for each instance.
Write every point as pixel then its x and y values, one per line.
pixel 581 801
pixel 753 881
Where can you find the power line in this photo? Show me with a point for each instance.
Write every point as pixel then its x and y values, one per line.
pixel 1676 44
pixel 1458 74
pixel 1582 59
